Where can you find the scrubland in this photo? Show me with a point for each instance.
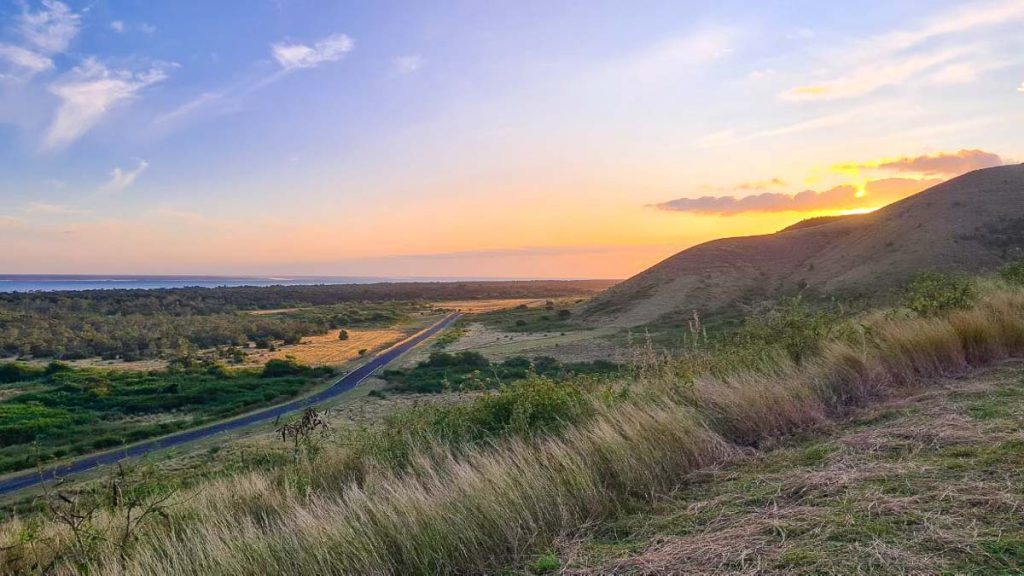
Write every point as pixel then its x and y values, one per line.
pixel 488 485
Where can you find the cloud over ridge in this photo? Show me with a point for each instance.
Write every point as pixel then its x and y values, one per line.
pixel 845 197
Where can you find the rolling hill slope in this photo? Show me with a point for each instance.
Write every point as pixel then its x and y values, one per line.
pixel 972 223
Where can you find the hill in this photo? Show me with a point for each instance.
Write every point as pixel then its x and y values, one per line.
pixel 970 224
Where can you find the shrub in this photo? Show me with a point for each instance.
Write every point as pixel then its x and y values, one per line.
pixel 284 367
pixel 934 293
pixel 793 326
pixel 14 372
pixel 1013 272
pixel 343 335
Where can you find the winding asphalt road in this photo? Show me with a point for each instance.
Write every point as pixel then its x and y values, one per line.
pixel 347 382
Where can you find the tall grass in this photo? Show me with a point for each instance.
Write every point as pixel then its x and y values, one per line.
pixel 470 509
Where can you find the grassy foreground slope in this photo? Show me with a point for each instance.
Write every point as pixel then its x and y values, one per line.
pixel 929 483
pixel 973 223
pixel 442 493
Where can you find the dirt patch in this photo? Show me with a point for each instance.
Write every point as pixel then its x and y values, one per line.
pixel 328 349
pixel 274 311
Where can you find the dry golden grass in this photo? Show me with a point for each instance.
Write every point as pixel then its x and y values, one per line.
pixel 328 350
pixel 480 306
pixel 135 365
pixel 475 510
pixel 273 311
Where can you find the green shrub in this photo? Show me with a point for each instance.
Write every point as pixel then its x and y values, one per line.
pixel 1013 272
pixel 934 293
pixel 793 326
pixel 531 407
pixel 15 372
pixel 284 367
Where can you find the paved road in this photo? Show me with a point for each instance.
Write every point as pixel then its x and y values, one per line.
pixel 346 383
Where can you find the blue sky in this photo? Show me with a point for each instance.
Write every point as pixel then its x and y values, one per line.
pixel 512 139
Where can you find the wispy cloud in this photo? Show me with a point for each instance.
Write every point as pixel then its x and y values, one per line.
pixel 330 49
pixel 407 64
pixel 88 92
pixel 51 29
pixel 117 26
pixel 870 78
pixel 121 179
pixel 26 61
pixel 289 57
pixel 898 57
pixel 44 33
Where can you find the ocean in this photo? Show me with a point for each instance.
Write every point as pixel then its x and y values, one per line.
pixel 56 282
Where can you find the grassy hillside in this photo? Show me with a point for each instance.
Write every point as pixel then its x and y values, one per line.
pixel 970 224
pixel 489 484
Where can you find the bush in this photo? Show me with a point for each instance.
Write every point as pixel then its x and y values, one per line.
pixel 1013 272
pixel 934 293
pixel 14 372
pixel 287 367
pixel 343 335
pixel 533 407
pixel 793 326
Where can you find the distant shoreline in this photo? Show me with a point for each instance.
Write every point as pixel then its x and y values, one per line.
pixel 81 282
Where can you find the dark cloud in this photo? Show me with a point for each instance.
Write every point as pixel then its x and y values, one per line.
pixel 877 192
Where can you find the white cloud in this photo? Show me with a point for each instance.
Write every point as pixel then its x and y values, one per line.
pixel 26 60
pixel 1021 87
pixel 117 26
pixel 121 179
pixel 147 28
pixel 51 29
pixel 407 64
pixel 88 92
pixel 330 49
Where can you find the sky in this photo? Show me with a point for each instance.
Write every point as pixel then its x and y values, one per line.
pixel 511 139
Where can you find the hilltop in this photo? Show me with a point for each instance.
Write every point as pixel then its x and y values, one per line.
pixel 970 224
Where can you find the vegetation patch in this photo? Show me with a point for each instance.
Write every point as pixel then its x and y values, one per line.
pixel 551 316
pixel 470 370
pixel 60 411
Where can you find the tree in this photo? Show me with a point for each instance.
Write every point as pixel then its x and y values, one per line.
pixel 343 335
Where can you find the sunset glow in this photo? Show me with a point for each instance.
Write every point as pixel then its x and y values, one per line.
pixel 503 139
